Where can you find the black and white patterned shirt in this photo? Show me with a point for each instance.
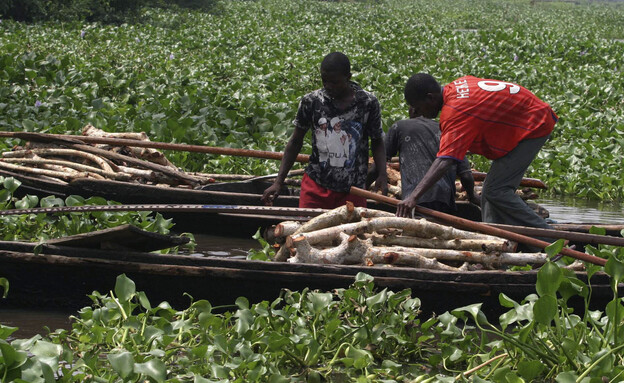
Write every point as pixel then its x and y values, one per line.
pixel 339 157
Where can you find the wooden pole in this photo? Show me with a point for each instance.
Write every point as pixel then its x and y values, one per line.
pixel 303 158
pixel 528 182
pixel 44 137
pixel 186 208
pixel 480 176
pixel 591 239
pixel 476 226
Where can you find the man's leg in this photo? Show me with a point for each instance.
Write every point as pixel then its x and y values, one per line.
pixel 499 201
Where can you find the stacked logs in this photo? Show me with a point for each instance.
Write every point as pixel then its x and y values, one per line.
pixel 61 161
pixel 351 235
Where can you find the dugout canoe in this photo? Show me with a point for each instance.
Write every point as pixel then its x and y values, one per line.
pixel 234 195
pixel 61 277
pixel 242 193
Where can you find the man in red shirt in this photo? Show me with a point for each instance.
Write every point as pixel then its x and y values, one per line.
pixel 500 120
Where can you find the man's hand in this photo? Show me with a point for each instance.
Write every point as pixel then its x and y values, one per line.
pixel 475 199
pixel 381 184
pixel 271 193
pixel 405 207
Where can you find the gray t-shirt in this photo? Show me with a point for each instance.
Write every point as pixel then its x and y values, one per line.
pixel 339 157
pixel 417 141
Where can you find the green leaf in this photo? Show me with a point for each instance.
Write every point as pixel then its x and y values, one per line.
pixel 11 184
pixel 242 303
pixel 144 301
pixel 4 283
pixel 530 369
pixel 377 299
pixel 566 377
pixel 122 363
pixel 244 322
pixel 5 331
pixel 10 357
pixel 545 309
pixel 199 379
pixel 124 288
pixel 319 301
pixel 554 248
pixel 549 278
pixel 363 277
pixel 153 368
pixel 74 200
pixel 615 268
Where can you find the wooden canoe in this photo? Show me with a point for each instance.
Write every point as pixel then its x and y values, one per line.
pixel 62 277
pixel 246 193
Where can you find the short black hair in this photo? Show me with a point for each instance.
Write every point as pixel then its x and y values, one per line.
pixel 419 85
pixel 336 62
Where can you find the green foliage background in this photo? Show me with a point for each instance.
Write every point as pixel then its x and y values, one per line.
pixel 235 78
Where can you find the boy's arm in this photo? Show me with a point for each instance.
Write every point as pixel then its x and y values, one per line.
pixel 293 147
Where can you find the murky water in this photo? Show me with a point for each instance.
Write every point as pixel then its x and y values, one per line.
pixel 31 322
pixel 568 210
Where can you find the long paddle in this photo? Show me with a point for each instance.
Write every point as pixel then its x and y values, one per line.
pixel 457 221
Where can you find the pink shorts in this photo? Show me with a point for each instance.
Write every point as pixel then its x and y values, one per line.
pixel 315 196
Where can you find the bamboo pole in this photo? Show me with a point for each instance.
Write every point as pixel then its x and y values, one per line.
pixel 456 221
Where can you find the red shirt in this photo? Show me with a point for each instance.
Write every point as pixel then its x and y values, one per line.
pixel 490 117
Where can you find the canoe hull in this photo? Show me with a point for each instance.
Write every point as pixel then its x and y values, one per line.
pixel 62 279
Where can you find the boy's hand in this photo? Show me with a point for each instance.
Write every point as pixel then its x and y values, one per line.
pixel 271 193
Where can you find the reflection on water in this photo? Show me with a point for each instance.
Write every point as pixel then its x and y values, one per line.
pixel 215 246
pixel 570 210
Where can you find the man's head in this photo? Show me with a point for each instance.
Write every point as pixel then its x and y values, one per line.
pixel 335 74
pixel 335 123
pixel 424 95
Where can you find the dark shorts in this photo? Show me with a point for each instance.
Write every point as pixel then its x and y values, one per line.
pixel 315 196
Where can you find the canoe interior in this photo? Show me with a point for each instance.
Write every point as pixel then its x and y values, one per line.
pixel 125 237
pixel 231 193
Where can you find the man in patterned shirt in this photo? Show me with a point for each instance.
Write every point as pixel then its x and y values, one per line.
pixel 345 104
pixel 500 120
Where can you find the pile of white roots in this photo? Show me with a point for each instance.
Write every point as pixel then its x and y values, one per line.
pixel 63 161
pixel 351 235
